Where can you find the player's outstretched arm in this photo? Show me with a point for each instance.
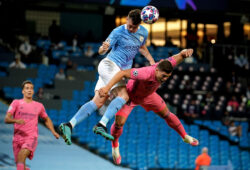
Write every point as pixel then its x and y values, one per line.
pixel 118 77
pixel 50 126
pixel 144 51
pixel 9 119
pixel 182 55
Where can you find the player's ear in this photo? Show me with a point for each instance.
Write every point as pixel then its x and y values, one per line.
pixel 156 70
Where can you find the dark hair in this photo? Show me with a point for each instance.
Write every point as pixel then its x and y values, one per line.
pixel 26 82
pixel 135 15
pixel 165 66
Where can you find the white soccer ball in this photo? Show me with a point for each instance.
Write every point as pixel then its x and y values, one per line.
pixel 149 14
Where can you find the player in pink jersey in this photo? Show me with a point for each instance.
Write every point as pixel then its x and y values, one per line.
pixel 141 89
pixel 24 114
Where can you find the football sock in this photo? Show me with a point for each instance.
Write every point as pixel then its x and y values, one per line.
pixel 20 166
pixel 113 107
pixel 174 122
pixel 86 110
pixel 116 132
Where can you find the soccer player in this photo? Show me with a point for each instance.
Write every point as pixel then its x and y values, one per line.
pixel 125 42
pixel 141 89
pixel 24 114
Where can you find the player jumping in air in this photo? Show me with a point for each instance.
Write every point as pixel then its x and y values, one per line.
pixel 125 42
pixel 141 89
pixel 24 114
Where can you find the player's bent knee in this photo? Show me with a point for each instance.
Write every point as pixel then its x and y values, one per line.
pixel 120 121
pixel 99 101
pixel 22 155
pixel 121 92
pixel 125 97
pixel 99 104
pixel 119 124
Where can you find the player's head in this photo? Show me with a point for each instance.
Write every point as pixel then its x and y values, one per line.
pixel 27 89
pixel 133 20
pixel 204 150
pixel 163 71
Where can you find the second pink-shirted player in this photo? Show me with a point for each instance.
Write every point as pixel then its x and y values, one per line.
pixel 24 113
pixel 25 135
pixel 142 88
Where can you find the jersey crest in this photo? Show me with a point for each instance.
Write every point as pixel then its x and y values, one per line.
pixel 141 38
pixel 135 73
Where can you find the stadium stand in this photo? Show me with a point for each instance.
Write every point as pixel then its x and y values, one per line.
pixel 147 142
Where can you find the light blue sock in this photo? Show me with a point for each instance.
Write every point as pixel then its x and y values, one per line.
pixel 112 109
pixel 86 110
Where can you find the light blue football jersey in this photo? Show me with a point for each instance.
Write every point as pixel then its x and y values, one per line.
pixel 125 45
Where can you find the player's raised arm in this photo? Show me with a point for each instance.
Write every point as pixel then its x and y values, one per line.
pixel 182 55
pixel 118 77
pixel 144 51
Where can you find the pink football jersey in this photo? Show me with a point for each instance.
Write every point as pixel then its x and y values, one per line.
pixel 29 112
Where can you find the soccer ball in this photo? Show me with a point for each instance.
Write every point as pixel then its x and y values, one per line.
pixel 149 14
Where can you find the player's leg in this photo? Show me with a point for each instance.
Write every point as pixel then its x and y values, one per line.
pixel 115 105
pixel 155 102
pixel 16 150
pixel 86 110
pixel 121 97
pixel 116 130
pixel 29 145
pixel 108 71
pixel 173 121
pixel 89 107
pixel 21 158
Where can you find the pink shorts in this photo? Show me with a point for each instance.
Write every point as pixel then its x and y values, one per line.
pixel 29 144
pixel 152 102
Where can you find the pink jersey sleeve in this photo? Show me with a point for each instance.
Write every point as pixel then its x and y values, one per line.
pixel 140 73
pixel 43 113
pixel 172 61
pixel 13 107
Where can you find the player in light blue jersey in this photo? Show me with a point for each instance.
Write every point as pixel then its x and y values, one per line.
pixel 124 42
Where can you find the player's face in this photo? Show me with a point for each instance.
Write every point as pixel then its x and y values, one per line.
pixel 162 76
pixel 131 28
pixel 28 91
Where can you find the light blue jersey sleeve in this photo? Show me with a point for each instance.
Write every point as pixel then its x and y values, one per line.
pixel 112 38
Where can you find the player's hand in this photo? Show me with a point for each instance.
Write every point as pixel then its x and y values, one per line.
pixel 56 135
pixel 103 92
pixel 105 45
pixel 187 53
pixel 20 121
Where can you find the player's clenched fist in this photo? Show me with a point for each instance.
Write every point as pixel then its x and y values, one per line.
pixel 103 92
pixel 187 53
pixel 105 45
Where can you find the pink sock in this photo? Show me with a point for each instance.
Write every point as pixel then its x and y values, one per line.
pixel 27 168
pixel 174 122
pixel 20 166
pixel 116 132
